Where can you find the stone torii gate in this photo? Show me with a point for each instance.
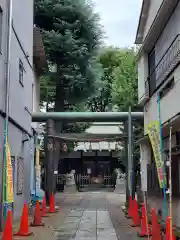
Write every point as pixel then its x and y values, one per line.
pixel 50 117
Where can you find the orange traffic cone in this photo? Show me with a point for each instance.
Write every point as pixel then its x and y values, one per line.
pixel 52 204
pixel 156 231
pixel 37 216
pixel 55 207
pixel 168 235
pixel 44 210
pixel 135 217
pixel 145 230
pixel 24 226
pixel 7 233
pixel 130 207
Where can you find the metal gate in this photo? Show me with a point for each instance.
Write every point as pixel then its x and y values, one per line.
pixel 85 181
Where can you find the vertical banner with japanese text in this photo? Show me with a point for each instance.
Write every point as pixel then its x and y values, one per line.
pixel 9 177
pixel 38 170
pixel 153 130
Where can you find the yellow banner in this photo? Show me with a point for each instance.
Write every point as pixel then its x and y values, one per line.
pixel 153 131
pixel 9 177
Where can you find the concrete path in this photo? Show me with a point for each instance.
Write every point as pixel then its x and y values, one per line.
pixel 85 216
pixel 94 219
pixel 87 224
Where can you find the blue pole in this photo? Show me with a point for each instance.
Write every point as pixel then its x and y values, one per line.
pixel 161 152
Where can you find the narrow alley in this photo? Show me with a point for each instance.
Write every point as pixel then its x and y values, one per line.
pixel 91 216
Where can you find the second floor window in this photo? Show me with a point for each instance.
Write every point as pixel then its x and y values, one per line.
pixel 21 72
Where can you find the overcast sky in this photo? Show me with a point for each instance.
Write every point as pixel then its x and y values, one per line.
pixel 120 20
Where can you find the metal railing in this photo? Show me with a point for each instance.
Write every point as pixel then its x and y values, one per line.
pixel 165 66
pixel 85 181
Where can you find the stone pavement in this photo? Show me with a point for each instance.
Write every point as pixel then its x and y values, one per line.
pixel 86 216
pixel 98 217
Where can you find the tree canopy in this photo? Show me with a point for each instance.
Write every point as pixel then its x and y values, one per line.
pixel 72 37
pixel 109 59
pixel 119 85
pixel 125 82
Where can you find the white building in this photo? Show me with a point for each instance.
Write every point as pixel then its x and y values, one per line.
pixel 158 35
pixel 25 64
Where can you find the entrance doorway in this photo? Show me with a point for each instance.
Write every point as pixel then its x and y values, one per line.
pixel 96 175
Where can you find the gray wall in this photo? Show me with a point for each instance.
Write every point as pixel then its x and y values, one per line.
pixel 169 103
pixel 20 104
pixel 170 32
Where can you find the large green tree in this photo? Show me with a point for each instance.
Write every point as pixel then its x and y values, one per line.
pixel 125 83
pixel 125 94
pixel 72 35
pixel 109 59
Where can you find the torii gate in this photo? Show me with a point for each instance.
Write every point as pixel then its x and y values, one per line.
pixel 50 117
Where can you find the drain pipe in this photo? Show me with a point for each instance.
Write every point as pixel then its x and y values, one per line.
pixel 7 92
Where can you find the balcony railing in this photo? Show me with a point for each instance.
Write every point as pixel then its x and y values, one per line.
pixel 165 66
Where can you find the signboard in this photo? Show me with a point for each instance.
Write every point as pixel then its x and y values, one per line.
pixel 143 175
pixel 143 162
pixel 88 170
pixel 153 131
pixel 9 177
pixel 38 170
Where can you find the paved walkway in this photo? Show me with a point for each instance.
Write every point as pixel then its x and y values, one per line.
pixel 95 219
pixel 87 224
pixel 86 216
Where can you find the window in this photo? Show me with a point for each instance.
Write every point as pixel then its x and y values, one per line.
pixel 1 26
pixel 21 73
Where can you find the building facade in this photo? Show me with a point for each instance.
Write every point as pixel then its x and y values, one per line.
pixel 23 93
pixel 158 37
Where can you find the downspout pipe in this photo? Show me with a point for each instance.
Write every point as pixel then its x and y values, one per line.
pixel 7 93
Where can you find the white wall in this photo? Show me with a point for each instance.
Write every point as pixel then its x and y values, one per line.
pixel 23 21
pixel 169 103
pixel 35 98
pixel 142 75
pixel 153 9
pixel 170 32
pixel 20 96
